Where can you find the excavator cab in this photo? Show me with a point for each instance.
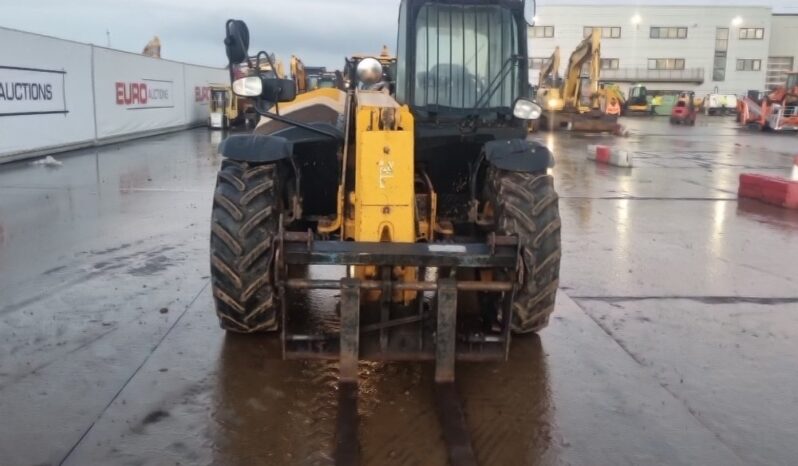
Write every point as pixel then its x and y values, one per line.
pixel 638 100
pixel 220 99
pixel 792 82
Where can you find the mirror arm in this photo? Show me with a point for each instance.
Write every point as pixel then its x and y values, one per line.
pixel 274 70
pixel 289 121
pixel 227 36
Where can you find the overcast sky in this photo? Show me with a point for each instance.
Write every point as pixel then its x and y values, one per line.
pixel 321 32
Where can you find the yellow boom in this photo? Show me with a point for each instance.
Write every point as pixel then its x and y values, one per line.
pixel 575 90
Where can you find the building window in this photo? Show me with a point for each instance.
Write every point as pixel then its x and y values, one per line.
pixel 666 63
pixel 722 39
pixel 539 32
pixel 607 32
pixel 721 52
pixel 749 64
pixel 778 67
pixel 720 60
pixel 668 33
pixel 752 33
pixel 536 63
pixel 609 63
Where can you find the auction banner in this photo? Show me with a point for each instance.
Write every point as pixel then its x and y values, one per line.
pixel 135 93
pixel 198 82
pixel 45 93
pixel 145 94
pixel 31 91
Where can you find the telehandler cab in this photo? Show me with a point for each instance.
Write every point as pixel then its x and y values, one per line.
pixel 418 180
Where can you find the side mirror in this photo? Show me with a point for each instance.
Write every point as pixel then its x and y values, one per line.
pixel 279 90
pixel 270 89
pixel 525 109
pixel 530 11
pixel 251 86
pixel 236 41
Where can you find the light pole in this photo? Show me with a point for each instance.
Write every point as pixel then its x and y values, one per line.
pixel 636 20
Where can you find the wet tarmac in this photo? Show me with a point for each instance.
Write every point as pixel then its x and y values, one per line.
pixel 674 341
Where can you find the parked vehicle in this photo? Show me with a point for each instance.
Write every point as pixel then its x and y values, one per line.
pixel 720 104
pixel 684 112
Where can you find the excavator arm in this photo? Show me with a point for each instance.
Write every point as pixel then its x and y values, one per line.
pixel 549 72
pixel 299 74
pixel 588 50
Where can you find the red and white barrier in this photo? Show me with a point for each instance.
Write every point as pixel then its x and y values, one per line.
pixel 609 155
pixel 773 190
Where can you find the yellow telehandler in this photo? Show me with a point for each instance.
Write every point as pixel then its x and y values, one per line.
pixel 418 181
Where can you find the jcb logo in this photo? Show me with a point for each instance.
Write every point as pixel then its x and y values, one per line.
pixel 386 172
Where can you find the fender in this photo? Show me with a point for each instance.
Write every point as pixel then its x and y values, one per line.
pixel 256 148
pixel 518 155
pixel 265 148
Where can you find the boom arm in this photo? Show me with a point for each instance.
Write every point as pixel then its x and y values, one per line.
pixel 588 50
pixel 550 70
pixel 299 74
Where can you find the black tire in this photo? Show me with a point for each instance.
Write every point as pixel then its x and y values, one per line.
pixel 526 205
pixel 244 223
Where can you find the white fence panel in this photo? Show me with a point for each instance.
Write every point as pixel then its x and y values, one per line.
pixel 135 93
pixel 198 81
pixel 45 93
pixel 56 95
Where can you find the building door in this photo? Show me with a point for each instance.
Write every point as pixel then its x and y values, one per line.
pixel 778 67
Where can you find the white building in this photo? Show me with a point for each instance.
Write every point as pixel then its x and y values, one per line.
pixel 701 48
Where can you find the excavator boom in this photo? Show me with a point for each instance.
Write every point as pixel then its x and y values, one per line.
pixel 550 71
pixel 589 50
pixel 299 74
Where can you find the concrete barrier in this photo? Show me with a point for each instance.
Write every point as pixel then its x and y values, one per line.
pixel 773 190
pixel 610 156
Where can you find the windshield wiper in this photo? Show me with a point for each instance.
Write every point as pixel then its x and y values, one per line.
pixel 494 85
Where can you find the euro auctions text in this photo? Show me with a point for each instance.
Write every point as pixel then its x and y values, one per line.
pixel 25 91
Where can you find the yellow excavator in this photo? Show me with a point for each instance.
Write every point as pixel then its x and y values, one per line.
pixel 311 78
pixel 585 104
pixel 549 82
pixel 299 74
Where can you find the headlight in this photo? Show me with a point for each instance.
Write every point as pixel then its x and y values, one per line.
pixel 369 71
pixel 552 103
pixel 251 86
pixel 525 109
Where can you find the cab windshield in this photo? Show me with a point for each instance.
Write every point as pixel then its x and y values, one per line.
pixel 218 100
pixel 466 57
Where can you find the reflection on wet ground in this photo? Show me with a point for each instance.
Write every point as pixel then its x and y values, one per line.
pixel 671 344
